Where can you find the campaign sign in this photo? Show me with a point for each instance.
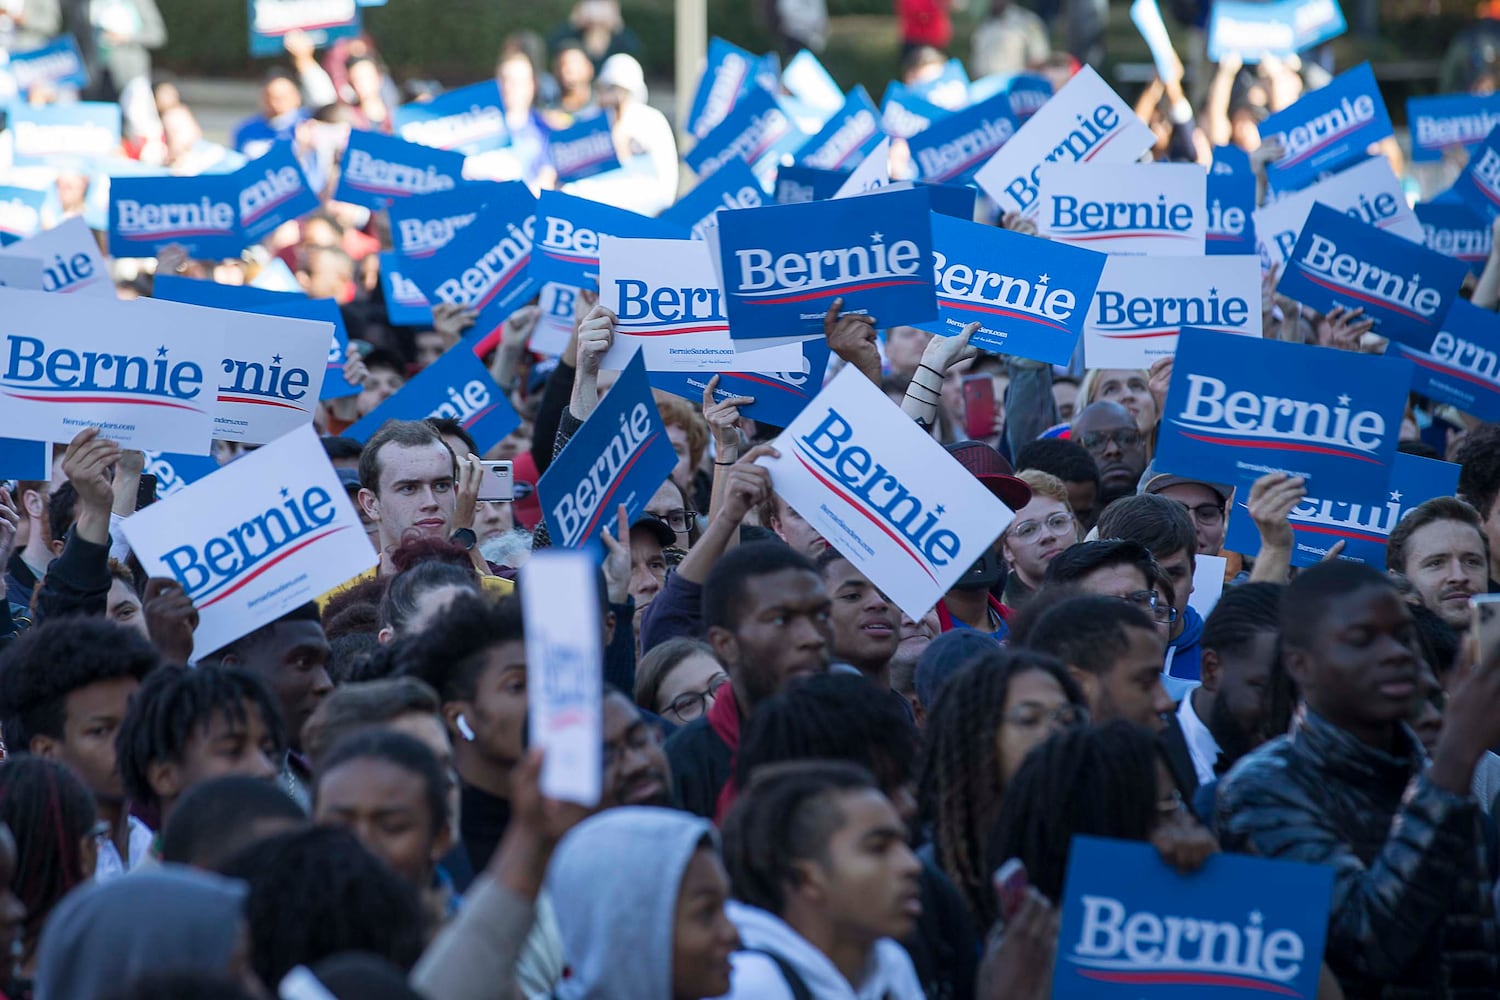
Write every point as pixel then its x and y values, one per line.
pixel 758 131
pixel 48 133
pixel 259 537
pixel 469 120
pixel 200 214
pixel 904 114
pixel 1456 230
pixel 20 212
pixel 70 362
pixel 486 266
pixel 175 472
pixel 1085 122
pixel 21 272
pixel 668 304
pixel 405 305
pixel 1452 121
pixel 729 75
pixel 1338 261
pixel 58 65
pixel 873 173
pixel 585 149
pixel 1458 364
pixel 25 460
pixel 424 224
pixel 1142 305
pixel 1145 209
pixel 1279 28
pixel 1368 192
pixel 1479 185
pixel 784 265
pixel 950 150
pixel 1134 927
pixel 951 200
pixel 809 81
pixel 949 89
pixel 1029 295
pixel 322 20
pixel 1028 92
pixel 1361 522
pixel 293 305
pixel 731 186
pixel 379 169
pixel 797 184
pixel 273 190
pixel 1240 407
pixel 779 396
pixel 884 493
pixel 1231 203
pixel 1146 16
pixel 559 306
pixel 568 251
pixel 457 386
pixel 620 455
pixel 71 261
pixel 1327 129
pixel 847 137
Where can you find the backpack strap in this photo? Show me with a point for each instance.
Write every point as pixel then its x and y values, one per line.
pixel 794 980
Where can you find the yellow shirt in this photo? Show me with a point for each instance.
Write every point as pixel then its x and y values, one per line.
pixel 495 585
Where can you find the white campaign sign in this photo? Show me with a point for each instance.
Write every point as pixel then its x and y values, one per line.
pixel 884 493
pixel 71 362
pixel 24 273
pixel 1148 209
pixel 1085 122
pixel 1368 192
pixel 874 171
pixel 1141 305
pixel 559 313
pixel 71 261
pixel 271 373
pixel 565 689
pixel 255 539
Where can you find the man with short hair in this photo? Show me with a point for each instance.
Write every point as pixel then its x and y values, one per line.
pixel 216 819
pixel 1207 505
pixel 1069 461
pixel 28 564
pixel 65 687
pixel 865 625
pixel 1113 568
pixel 1350 789
pixel 1479 484
pixel 1439 546
pixel 636 772
pixel 1166 530
pixel 1109 434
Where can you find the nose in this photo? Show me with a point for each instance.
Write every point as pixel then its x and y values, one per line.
pixel 1112 447
pixel 322 683
pixel 1161 703
pixel 907 865
pixel 429 498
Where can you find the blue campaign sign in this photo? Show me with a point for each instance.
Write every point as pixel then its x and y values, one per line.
pixel 264 302
pixel 457 386
pixel 949 89
pixel 568 251
pixel 731 186
pixel 951 200
pixel 1281 28
pixel 486 266
pixel 779 396
pixel 20 212
pixel 1231 203
pixel 323 21
pixel 51 135
pixel 729 75
pixel 1133 928
pixel 1362 522
pixel 1479 185
pixel 468 120
pixel 620 455
pixel 951 150
pixel 1030 295
pixel 1454 229
pixel 785 264
pixel 585 149
pixel 797 184
pixel 423 225
pixel 847 138
pixel 199 213
pixel 1327 129
pixel 1452 121
pixel 1341 261
pixel 405 305
pixel 759 131
pixel 175 472
pixel 1459 363
pixel 1028 92
pixel 25 460
pixel 1239 407
pixel 379 169
pixel 58 65
pixel 904 114
pixel 272 190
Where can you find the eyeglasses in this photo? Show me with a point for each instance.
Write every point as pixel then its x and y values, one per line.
pixel 637 738
pixel 1206 513
pixel 677 520
pixel 1063 716
pixel 1057 524
pixel 1125 437
pixel 691 704
pixel 1163 612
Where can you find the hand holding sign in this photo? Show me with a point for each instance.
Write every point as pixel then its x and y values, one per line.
pixel 1342 328
pixel 170 619
pixel 723 419
pixel 749 484
pixel 852 337
pixel 86 464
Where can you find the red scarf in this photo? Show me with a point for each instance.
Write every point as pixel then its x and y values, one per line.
pixel 724 720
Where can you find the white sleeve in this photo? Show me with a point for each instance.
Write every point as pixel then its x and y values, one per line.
pixel 119 548
pixel 756 977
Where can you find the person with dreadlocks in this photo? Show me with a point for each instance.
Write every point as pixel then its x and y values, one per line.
pixel 988 718
pixel 51 815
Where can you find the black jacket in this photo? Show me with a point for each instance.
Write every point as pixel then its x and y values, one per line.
pixel 702 765
pixel 1179 758
pixel 1411 915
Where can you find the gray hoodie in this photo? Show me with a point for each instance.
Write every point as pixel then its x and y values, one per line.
pixel 613 883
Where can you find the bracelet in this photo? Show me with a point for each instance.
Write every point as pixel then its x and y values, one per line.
pixel 930 368
pixel 726 463
pixel 935 395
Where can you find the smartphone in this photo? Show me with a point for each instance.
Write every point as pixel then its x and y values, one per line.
pixel 1484 610
pixel 145 494
pixel 498 485
pixel 979 406
pixel 1010 884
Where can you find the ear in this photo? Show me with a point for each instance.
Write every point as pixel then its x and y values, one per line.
pixel 229 659
pixel 165 779
pixel 369 503
pixel 1005 550
pixel 451 711
pixel 809 882
pixel 726 648
pixel 35 504
pixel 88 855
pixel 57 547
pixel 1086 681
pixel 386 635
pixel 1299 666
pixel 42 745
pixel 610 621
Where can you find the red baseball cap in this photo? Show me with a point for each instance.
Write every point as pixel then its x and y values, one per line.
pixel 990 467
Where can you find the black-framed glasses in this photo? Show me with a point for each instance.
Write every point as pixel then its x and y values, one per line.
pixel 1057 523
pixel 691 704
pixel 1063 716
pixel 1160 610
pixel 1206 513
pixel 678 520
pixel 637 738
pixel 1125 437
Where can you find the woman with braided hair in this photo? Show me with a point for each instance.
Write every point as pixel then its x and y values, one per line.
pixel 987 718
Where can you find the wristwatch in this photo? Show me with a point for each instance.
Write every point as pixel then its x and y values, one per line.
pixel 465 539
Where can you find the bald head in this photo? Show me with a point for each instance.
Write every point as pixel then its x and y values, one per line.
pixel 1108 432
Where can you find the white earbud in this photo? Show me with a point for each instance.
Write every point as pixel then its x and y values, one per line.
pixel 465 729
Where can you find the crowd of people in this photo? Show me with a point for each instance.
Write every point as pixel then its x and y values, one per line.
pixel 806 793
